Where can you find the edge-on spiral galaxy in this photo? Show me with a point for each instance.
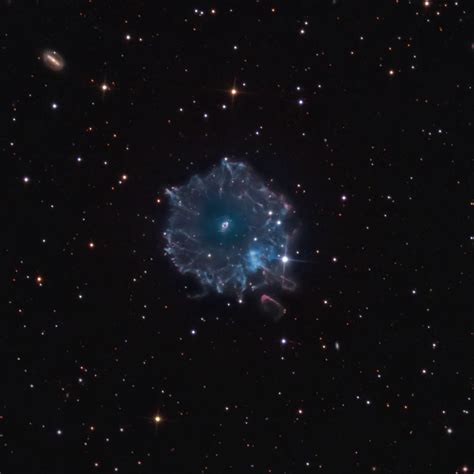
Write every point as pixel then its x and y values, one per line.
pixel 229 230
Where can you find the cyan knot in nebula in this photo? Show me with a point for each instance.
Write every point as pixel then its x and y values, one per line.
pixel 228 229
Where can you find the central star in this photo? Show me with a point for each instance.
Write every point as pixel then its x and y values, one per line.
pixel 225 225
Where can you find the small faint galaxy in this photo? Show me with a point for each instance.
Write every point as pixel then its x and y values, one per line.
pixel 52 60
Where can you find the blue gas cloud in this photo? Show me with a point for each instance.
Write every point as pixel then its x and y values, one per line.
pixel 229 230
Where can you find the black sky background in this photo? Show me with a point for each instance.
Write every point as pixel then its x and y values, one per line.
pixel 398 146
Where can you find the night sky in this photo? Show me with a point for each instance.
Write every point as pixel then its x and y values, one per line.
pixel 360 114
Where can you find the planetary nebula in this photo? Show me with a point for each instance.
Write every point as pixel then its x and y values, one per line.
pixel 229 230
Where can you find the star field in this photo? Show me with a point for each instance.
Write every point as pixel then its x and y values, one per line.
pixel 360 114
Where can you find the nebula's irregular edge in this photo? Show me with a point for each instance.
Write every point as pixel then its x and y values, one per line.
pixel 229 230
